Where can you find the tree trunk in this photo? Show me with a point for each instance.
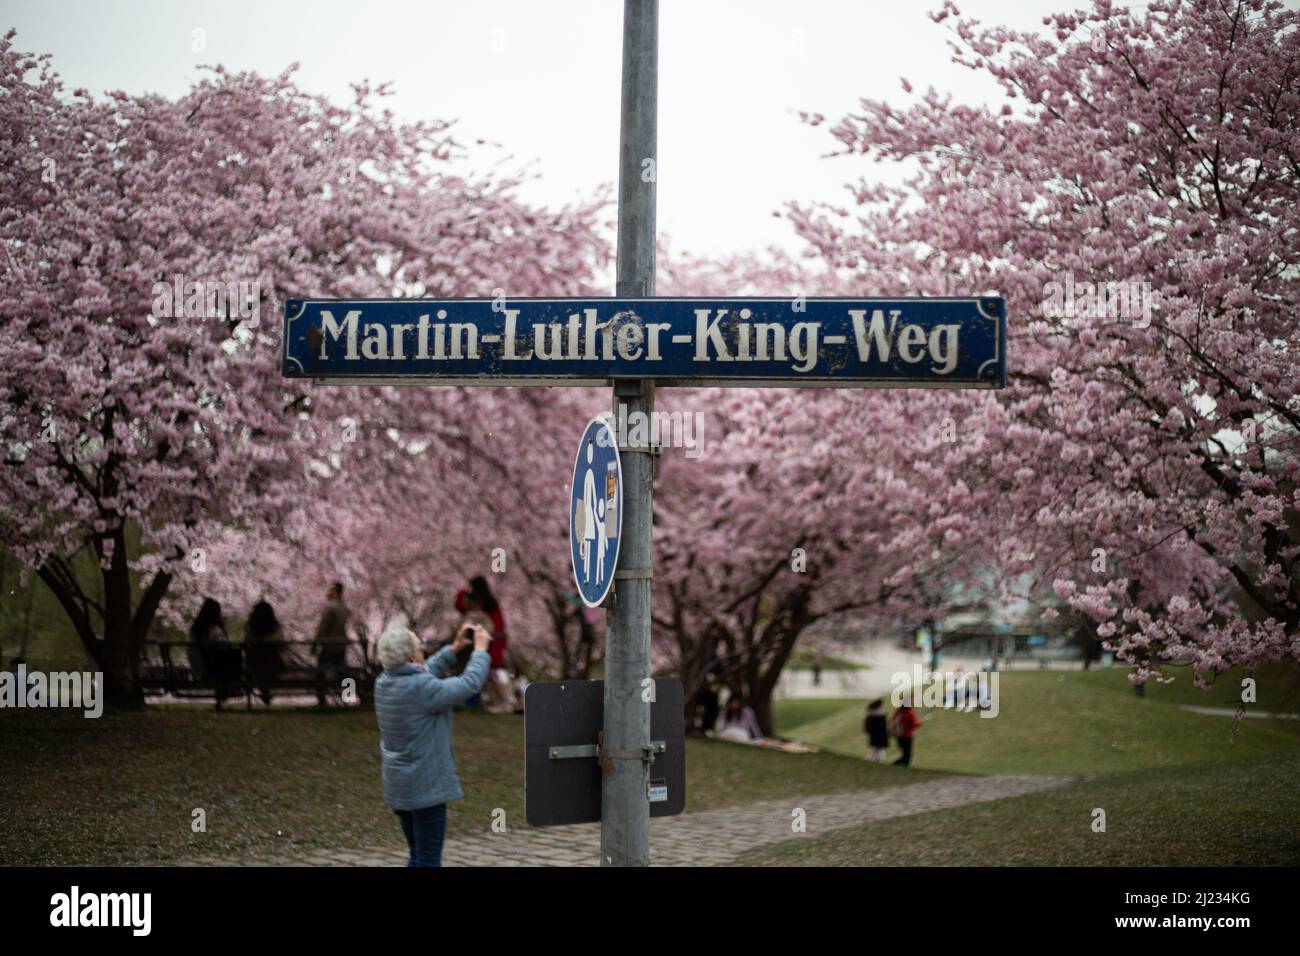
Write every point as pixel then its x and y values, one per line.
pixel 64 588
pixel 762 705
pixel 121 675
pixel 25 640
pixel 760 690
pixel 586 652
pixel 117 655
pixel 789 622
pixel 558 609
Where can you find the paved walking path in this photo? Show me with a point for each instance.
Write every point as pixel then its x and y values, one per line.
pixel 1232 712
pixel 707 838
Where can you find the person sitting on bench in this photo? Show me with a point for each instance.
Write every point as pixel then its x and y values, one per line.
pixel 263 643
pixel 213 659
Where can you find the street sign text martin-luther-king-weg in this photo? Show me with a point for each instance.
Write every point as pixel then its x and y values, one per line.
pixel 873 342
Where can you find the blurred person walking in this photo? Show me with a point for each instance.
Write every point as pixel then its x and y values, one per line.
pixel 905 723
pixel 413 705
pixel 331 639
pixel 876 726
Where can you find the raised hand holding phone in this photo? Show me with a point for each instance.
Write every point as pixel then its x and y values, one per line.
pixel 464 637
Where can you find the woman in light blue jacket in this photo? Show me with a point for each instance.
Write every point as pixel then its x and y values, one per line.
pixel 413 702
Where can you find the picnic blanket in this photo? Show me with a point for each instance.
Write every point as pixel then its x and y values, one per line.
pixel 771 743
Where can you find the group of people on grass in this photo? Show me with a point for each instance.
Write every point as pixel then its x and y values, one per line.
pixel 901 726
pixel 738 723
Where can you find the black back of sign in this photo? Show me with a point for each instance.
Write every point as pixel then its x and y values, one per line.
pixel 560 790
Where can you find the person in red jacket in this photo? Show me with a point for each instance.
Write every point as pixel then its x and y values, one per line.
pixel 905 723
pixel 479 597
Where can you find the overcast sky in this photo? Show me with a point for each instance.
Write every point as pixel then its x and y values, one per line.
pixel 541 78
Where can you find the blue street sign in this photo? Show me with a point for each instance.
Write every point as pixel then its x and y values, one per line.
pixel 595 512
pixel 902 343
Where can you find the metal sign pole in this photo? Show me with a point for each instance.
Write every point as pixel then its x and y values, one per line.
pixel 625 761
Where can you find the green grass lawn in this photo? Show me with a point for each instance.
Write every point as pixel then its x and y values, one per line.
pixel 790 715
pixel 1065 722
pixel 1243 813
pixel 121 789
pixel 1176 788
pixel 1277 687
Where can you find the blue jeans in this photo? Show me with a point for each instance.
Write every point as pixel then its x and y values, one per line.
pixel 425 830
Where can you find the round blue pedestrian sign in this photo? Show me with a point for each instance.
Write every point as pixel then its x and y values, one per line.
pixel 595 512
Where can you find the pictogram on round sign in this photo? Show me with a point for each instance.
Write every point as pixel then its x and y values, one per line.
pixel 595 512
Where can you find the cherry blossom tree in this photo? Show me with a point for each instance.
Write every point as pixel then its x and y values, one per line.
pixel 440 484
pixel 1135 198
pixel 147 246
pixel 796 512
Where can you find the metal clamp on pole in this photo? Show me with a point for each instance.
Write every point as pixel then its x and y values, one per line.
pixel 633 574
pixel 646 752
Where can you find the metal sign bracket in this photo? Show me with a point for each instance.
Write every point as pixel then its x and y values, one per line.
pixel 646 754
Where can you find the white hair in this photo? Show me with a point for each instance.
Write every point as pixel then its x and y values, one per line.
pixel 396 645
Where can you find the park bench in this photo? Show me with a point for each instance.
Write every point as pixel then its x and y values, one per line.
pixel 230 671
